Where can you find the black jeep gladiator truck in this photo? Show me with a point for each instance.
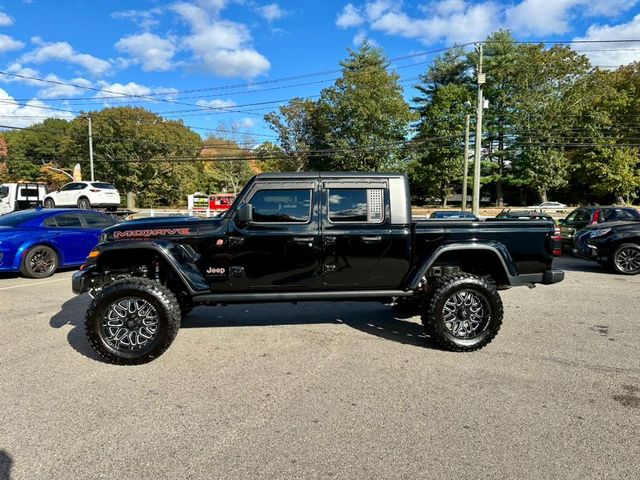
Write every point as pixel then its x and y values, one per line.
pixel 293 237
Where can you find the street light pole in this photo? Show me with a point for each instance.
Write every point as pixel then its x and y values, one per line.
pixel 90 149
pixel 465 172
pixel 478 150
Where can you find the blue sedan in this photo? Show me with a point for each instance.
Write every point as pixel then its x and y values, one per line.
pixel 38 242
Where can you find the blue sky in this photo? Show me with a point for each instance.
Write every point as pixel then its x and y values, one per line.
pixel 229 51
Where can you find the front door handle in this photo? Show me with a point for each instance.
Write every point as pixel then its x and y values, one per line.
pixel 303 240
pixel 236 241
pixel 376 238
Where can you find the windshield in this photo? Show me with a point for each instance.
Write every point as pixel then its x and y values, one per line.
pixel 4 191
pixel 16 219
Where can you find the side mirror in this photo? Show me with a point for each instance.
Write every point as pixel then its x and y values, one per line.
pixel 245 213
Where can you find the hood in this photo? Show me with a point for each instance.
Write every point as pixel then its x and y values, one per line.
pixel 157 227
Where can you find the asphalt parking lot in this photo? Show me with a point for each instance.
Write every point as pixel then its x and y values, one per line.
pixel 328 390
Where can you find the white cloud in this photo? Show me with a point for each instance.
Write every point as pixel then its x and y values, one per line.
pixel 446 7
pixel 377 8
pixel 474 23
pixel 541 16
pixel 151 51
pixel 5 20
pixel 625 52
pixel 7 43
pixel 26 114
pixel 130 88
pixel 222 47
pixel 64 52
pixel 271 12
pixel 246 123
pixel 216 103
pixel 350 17
pixel 146 19
pixel 360 37
pixel 56 91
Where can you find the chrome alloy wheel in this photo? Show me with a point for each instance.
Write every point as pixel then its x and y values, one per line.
pixel 42 261
pixel 466 313
pixel 628 260
pixel 129 324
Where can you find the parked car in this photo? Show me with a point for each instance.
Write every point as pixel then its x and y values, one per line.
pixel 553 206
pixel 615 245
pixel 508 214
pixel 453 215
pixel 38 242
pixel 584 216
pixel 84 195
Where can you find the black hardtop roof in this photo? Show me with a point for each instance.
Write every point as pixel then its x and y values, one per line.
pixel 301 175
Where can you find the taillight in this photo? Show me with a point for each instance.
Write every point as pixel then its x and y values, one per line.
pixel 556 245
pixel 95 190
pixel 596 216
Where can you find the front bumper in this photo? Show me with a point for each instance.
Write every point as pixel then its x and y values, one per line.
pixel 85 280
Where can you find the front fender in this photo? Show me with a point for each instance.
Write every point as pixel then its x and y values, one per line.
pixel 495 248
pixel 175 256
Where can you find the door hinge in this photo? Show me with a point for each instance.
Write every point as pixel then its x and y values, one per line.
pixel 328 268
pixel 236 271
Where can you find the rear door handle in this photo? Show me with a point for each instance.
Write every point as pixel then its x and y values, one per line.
pixel 376 238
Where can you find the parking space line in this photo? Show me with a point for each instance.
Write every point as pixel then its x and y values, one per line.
pixel 35 283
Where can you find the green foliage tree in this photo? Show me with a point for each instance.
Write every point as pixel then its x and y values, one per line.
pixel 129 145
pixel 363 120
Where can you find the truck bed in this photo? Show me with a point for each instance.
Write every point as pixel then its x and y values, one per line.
pixel 527 243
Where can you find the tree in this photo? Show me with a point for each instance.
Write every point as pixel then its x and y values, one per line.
pixel 363 120
pixel 296 126
pixel 225 169
pixel 438 146
pixel 140 152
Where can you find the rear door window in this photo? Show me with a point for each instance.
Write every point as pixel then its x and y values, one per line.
pixel 622 214
pixel 68 220
pixel 356 205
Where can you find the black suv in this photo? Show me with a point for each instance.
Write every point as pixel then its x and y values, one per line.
pixel 584 216
pixel 615 245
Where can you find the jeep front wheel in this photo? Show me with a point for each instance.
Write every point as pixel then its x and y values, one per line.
pixel 132 321
pixel 464 313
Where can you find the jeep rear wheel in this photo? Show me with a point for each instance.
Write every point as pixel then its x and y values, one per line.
pixel 464 313
pixel 132 321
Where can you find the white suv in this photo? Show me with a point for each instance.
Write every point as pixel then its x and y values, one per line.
pixel 85 195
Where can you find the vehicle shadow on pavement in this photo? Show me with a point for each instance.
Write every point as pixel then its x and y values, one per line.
pixel 6 462
pixel 72 313
pixel 371 318
pixel 576 264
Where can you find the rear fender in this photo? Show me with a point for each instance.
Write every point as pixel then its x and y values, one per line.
pixel 496 251
pixel 22 250
pixel 175 257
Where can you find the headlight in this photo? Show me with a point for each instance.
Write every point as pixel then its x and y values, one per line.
pixel 600 232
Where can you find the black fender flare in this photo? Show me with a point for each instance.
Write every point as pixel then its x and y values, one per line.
pixel 177 257
pixel 498 249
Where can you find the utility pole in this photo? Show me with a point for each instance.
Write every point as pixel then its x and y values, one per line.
pixel 90 149
pixel 477 157
pixel 465 172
